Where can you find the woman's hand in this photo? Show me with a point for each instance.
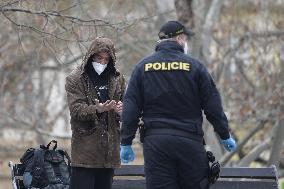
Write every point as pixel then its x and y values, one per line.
pixel 118 108
pixel 106 106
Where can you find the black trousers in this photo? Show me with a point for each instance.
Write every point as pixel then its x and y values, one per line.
pixel 91 178
pixel 174 162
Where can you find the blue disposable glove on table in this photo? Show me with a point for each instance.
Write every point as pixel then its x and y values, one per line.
pixel 126 153
pixel 229 144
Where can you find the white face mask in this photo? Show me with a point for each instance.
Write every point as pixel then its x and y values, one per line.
pixel 99 67
pixel 185 48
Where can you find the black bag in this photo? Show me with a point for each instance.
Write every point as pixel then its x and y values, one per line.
pixel 47 168
pixel 214 168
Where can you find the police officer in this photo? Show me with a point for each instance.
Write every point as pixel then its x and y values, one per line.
pixel 171 89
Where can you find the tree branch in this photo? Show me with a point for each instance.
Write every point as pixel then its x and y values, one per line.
pixel 239 64
pixel 57 14
pixel 250 134
pixel 254 153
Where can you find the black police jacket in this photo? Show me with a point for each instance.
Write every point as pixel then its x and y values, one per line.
pixel 171 89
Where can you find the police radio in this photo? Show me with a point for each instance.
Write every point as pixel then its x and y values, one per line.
pixel 214 168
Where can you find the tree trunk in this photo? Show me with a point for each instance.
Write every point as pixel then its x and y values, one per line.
pixel 192 15
pixel 185 12
pixel 211 18
pixel 162 7
pixel 278 137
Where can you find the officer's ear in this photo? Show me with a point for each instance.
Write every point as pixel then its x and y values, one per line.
pixel 180 40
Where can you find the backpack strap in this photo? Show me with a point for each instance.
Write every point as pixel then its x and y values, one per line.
pixel 69 161
pixel 64 153
pixel 53 141
pixel 68 158
pixel 27 155
pixel 38 173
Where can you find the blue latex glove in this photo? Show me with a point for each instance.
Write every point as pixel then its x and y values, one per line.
pixel 126 154
pixel 229 144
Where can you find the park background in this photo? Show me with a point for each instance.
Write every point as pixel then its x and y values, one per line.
pixel 240 42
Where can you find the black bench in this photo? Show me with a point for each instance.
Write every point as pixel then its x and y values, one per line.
pixel 132 177
pixel 230 178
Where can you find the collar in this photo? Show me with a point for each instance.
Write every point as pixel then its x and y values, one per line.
pixel 168 45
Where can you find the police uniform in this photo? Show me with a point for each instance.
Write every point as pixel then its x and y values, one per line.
pixel 171 89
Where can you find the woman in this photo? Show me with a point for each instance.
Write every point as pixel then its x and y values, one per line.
pixel 94 93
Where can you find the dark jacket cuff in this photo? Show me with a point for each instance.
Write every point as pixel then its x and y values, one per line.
pixel 126 141
pixel 224 136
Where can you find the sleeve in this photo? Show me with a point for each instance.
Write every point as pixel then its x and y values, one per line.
pixel 132 107
pixel 212 105
pixel 77 102
pixel 123 86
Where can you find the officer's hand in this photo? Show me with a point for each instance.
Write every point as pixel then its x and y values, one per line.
pixel 126 154
pixel 106 106
pixel 229 144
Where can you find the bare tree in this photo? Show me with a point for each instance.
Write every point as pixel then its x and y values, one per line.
pixel 278 138
pixel 237 55
pixel 239 41
pixel 41 41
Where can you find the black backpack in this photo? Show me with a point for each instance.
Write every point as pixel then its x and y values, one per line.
pixel 47 167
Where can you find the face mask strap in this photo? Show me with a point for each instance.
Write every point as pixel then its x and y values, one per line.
pixel 185 48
